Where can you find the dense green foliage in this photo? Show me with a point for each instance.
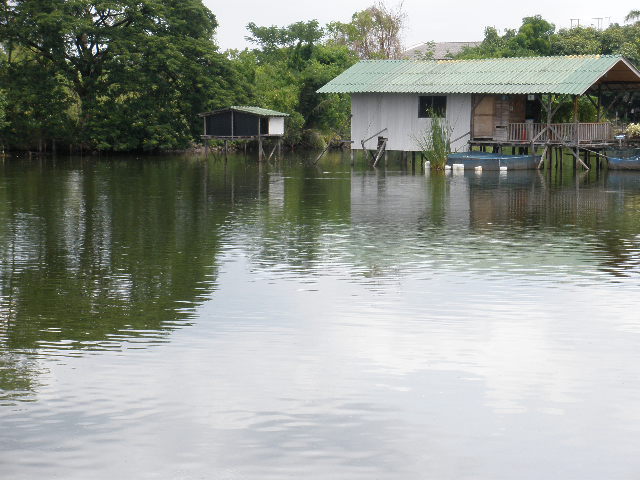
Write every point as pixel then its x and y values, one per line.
pixel 537 37
pixel 111 75
pixel 531 39
pixel 287 67
pixel 132 75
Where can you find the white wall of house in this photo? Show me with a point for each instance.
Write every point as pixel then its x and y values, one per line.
pixel 276 125
pixel 398 113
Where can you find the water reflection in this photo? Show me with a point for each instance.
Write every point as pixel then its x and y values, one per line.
pixel 329 321
pixel 95 248
pixel 92 252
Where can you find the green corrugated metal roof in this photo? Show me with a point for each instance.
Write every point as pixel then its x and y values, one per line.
pixel 262 112
pixel 571 75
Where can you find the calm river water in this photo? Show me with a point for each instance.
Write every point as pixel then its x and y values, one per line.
pixel 183 318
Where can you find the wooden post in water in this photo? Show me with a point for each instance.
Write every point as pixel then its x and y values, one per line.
pixel 260 152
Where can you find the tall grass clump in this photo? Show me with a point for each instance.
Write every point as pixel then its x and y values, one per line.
pixel 435 143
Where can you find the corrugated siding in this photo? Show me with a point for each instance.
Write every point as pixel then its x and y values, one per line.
pixel 561 75
pixel 398 113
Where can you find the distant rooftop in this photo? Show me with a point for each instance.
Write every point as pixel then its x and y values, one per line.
pixel 441 50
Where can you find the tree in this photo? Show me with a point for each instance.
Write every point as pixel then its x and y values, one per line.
pixel 125 62
pixel 533 38
pixel 633 15
pixel 289 64
pixel 373 33
pixel 38 101
pixel 577 41
pixel 297 38
pixel 493 45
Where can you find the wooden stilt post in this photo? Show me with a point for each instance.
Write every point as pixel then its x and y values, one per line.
pixel 260 151
pixel 206 147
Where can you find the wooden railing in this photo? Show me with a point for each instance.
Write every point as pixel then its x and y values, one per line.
pixel 566 133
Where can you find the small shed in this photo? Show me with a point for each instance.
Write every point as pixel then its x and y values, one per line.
pixel 243 122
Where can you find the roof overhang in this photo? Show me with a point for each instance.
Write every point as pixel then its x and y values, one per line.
pixel 622 76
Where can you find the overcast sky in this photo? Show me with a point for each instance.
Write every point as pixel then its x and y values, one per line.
pixel 441 21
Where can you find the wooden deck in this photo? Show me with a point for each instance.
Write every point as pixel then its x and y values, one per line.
pixel 556 134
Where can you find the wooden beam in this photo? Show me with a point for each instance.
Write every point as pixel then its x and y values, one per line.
pixel 544 152
pixel 272 152
pixel 577 157
pixel 382 148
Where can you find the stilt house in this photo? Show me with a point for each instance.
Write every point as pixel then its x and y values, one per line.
pixel 234 123
pixel 244 123
pixel 502 101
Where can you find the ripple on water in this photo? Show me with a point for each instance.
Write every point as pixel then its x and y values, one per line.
pixel 240 321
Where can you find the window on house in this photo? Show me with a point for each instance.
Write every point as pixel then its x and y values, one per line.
pixel 432 105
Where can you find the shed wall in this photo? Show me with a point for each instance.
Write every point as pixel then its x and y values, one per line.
pixel 218 124
pixel 371 112
pixel 276 125
pixel 245 124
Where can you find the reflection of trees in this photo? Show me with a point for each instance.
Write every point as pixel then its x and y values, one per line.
pixel 90 250
pixel 618 239
pixel 303 206
pixel 381 222
pixel 598 213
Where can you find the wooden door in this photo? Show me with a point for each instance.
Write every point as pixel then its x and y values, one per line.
pixel 484 117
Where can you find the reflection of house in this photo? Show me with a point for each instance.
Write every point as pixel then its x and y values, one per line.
pixel 494 101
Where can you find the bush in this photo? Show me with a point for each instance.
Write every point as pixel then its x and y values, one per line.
pixel 633 130
pixel 435 144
